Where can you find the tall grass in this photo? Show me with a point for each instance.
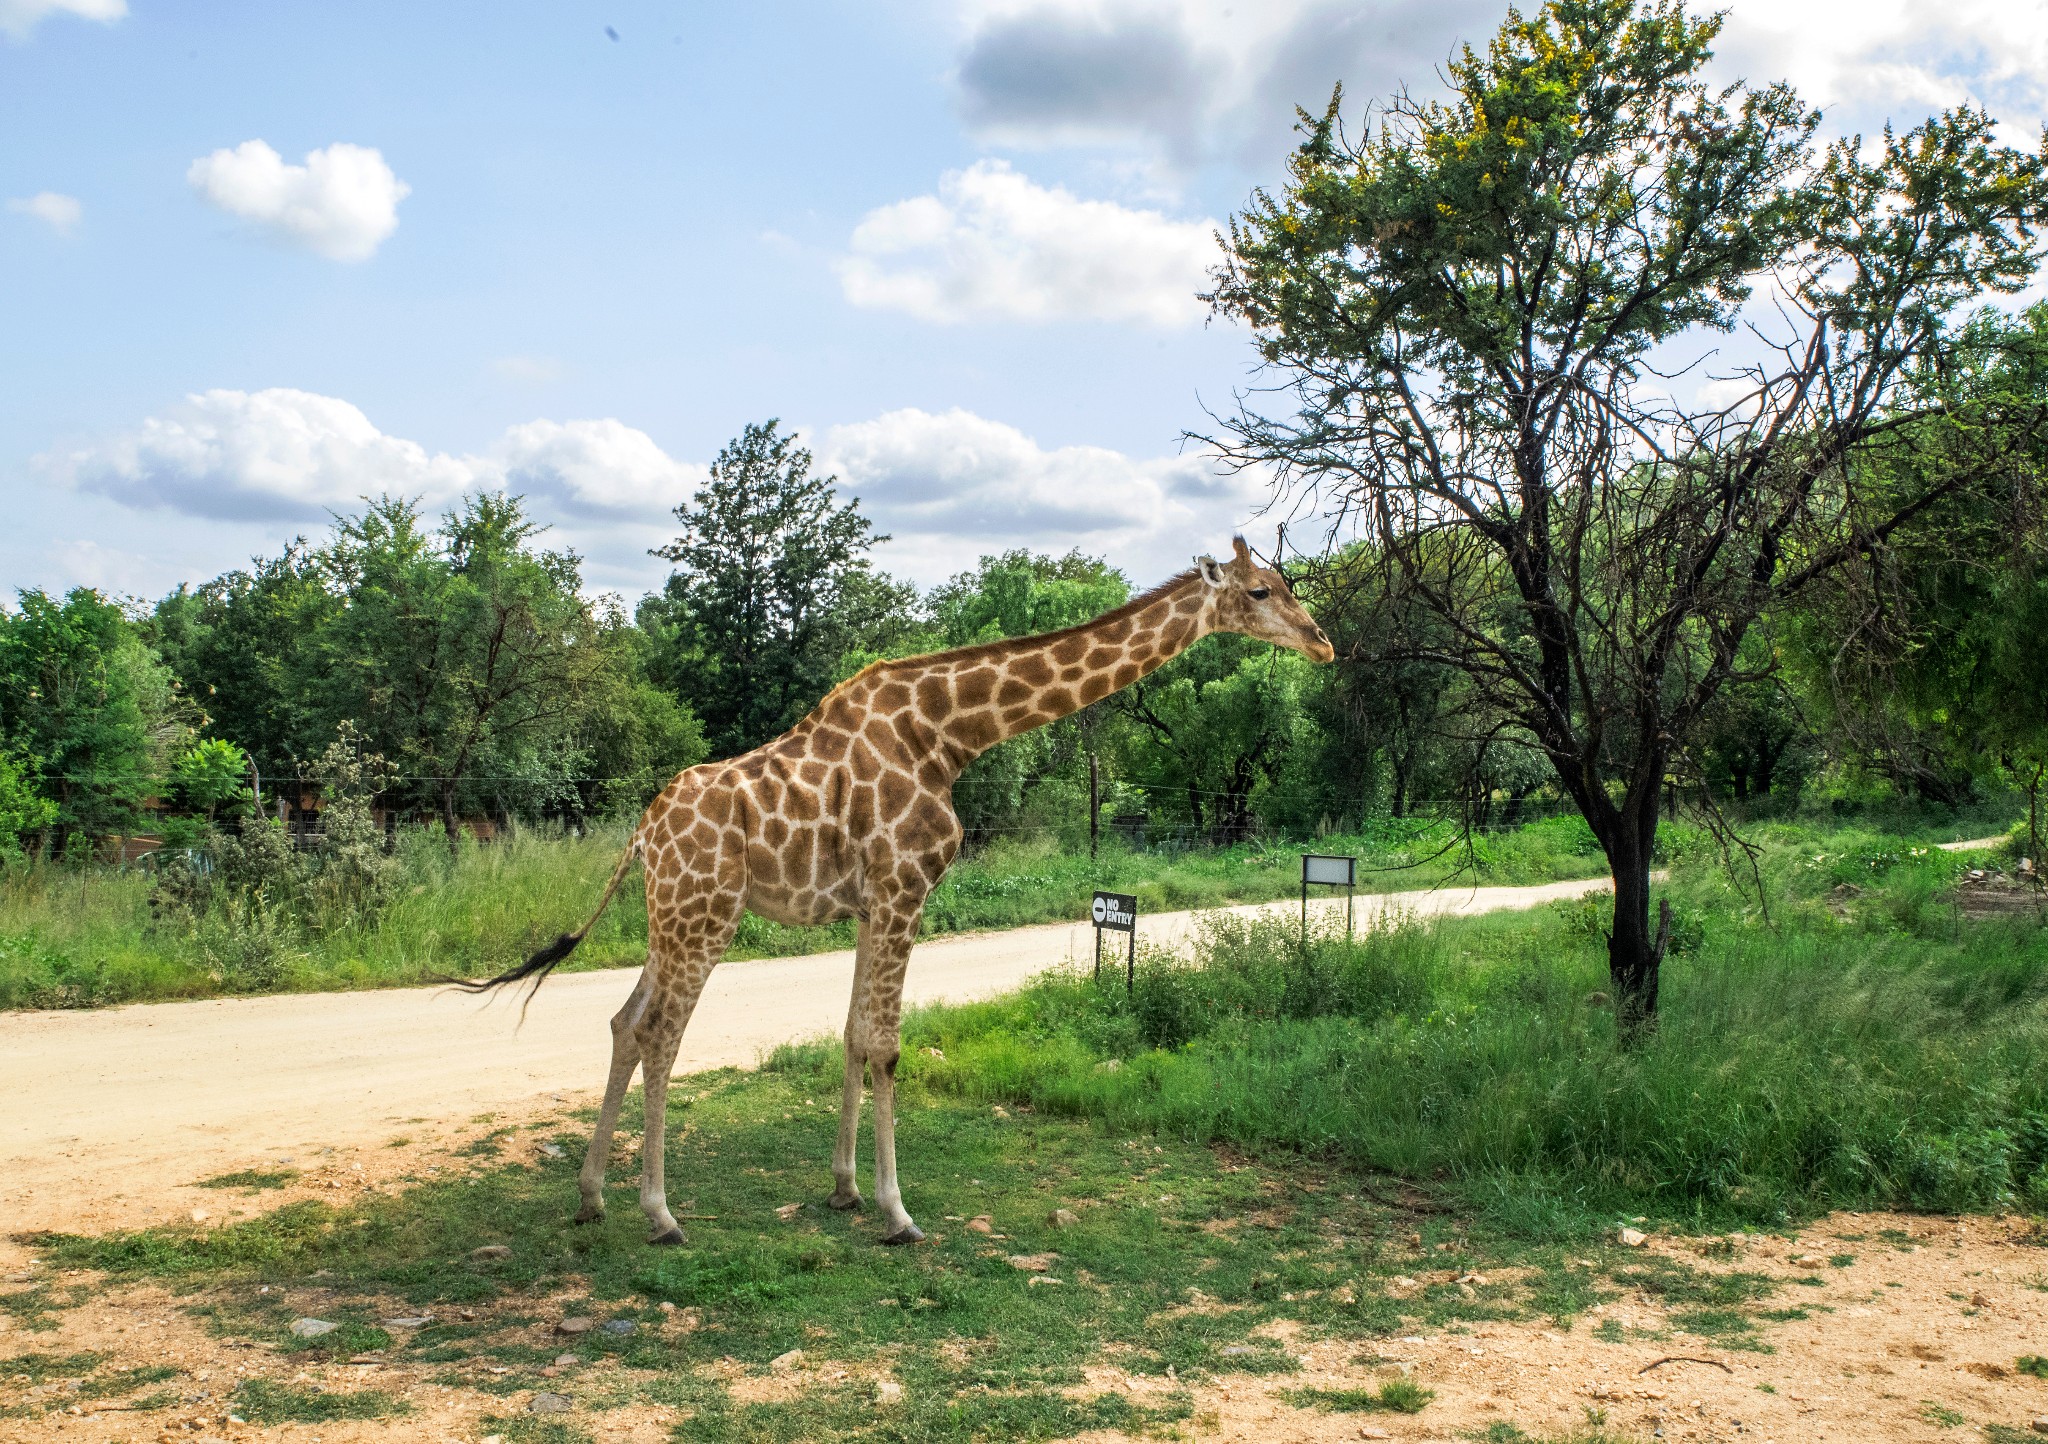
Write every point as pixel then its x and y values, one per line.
pixel 1892 1057
pixel 71 938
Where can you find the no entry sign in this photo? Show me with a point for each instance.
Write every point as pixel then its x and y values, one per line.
pixel 1117 911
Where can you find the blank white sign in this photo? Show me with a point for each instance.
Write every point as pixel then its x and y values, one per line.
pixel 1342 871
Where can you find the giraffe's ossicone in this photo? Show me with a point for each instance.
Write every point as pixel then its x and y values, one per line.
pixel 850 814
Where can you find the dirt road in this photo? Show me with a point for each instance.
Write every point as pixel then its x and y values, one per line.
pixel 107 1117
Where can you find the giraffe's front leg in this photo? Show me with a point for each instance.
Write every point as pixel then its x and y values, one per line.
pixel 888 960
pixel 896 1223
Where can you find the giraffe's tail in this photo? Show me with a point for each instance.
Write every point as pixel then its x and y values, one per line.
pixel 543 962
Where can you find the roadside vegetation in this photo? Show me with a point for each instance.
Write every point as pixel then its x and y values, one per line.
pixel 278 921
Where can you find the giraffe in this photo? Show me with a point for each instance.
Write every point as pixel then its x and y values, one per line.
pixel 849 814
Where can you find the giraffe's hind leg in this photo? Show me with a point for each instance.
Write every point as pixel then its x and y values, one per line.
pixel 686 940
pixel 625 1058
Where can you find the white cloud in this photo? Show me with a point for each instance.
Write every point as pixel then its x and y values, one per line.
pixel 293 456
pixel 1873 60
pixel 1194 79
pixel 948 486
pixel 341 204
pixel 595 468
pixel 61 213
pixel 277 454
pixel 1190 79
pixel 993 245
pixel 19 17
pixel 952 485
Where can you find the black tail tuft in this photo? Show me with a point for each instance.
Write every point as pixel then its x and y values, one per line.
pixel 536 967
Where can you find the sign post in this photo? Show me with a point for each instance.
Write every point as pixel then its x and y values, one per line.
pixel 1325 870
pixel 1118 912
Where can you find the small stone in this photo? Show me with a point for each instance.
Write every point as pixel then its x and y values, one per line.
pixel 1238 1351
pixel 888 1391
pixel 783 1363
pixel 999 1111
pixel 491 1250
pixel 549 1404
pixel 1032 1263
pixel 198 1215
pixel 618 1328
pixel 1063 1218
pixel 563 1361
pixel 418 1321
pixel 2039 1426
pixel 933 1053
pixel 1109 1065
pixel 1370 1431
pixel 493 1439
pixel 1632 1237
pixel 1478 1280
pixel 1980 1300
pixel 553 1150
pixel 981 1223
pixel 788 1211
pixel 312 1328
pixel 1807 1261
pixel 1037 1279
pixel 575 1326
pixel 667 1307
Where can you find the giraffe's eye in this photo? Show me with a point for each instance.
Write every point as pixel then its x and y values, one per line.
pixel 1259 594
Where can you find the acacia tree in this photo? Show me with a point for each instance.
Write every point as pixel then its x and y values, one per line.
pixel 1473 308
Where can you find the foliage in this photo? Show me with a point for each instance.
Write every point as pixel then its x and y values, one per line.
pixel 23 809
pixel 89 707
pixel 772 585
pixel 211 773
pixel 1464 303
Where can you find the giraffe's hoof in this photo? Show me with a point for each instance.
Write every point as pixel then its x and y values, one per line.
pixel 590 1213
pixel 909 1233
pixel 668 1238
pixel 849 1198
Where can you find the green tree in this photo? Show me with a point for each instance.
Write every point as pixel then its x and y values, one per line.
pixel 465 655
pixel 772 587
pixel 209 773
pixel 87 704
pixel 1475 305
pixel 1214 726
pixel 24 811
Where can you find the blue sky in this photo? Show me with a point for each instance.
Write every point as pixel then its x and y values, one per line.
pixel 257 260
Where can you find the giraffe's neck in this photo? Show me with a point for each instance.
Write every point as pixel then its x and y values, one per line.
pixel 1019 685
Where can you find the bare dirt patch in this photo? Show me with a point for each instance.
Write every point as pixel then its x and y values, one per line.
pixel 1880 1328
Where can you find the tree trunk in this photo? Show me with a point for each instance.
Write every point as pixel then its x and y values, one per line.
pixel 449 822
pixel 1634 952
pixel 1094 805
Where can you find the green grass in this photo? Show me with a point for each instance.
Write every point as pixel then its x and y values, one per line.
pixel 251 1180
pixel 264 1401
pixel 1183 1260
pixel 1804 1061
pixel 1401 1396
pixel 72 939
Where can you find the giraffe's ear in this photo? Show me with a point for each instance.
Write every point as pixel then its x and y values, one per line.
pixel 1212 571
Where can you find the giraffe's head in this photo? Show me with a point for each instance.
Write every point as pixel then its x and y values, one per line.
pixel 1259 603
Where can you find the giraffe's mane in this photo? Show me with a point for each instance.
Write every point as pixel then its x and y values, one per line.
pixel 1006 646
